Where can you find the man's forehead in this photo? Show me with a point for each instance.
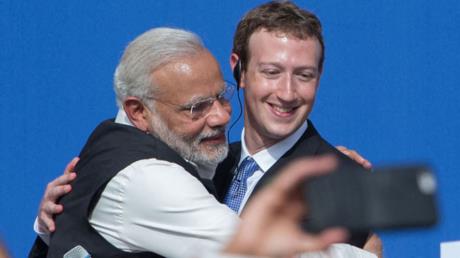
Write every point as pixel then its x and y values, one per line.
pixel 280 34
pixel 185 68
pixel 180 64
pixel 270 46
pixel 287 32
pixel 189 78
pixel 201 65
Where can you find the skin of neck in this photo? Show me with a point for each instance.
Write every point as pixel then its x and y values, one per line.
pixel 255 141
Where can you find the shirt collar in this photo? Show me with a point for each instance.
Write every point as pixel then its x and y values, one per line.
pixel 122 118
pixel 266 158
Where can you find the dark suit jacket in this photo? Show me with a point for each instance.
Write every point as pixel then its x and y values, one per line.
pixel 310 144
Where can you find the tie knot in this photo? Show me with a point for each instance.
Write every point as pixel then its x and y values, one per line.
pixel 247 167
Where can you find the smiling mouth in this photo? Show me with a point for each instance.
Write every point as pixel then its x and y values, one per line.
pixel 216 139
pixel 283 111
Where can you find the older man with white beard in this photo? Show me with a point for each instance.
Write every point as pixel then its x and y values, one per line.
pixel 143 181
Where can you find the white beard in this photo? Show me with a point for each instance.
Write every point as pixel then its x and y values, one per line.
pixel 189 149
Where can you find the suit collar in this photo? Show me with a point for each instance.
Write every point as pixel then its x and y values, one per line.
pixel 307 145
pixel 267 157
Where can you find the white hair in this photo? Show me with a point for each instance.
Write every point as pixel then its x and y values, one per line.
pixel 145 54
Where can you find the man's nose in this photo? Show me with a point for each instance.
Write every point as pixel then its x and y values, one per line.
pixel 286 89
pixel 220 113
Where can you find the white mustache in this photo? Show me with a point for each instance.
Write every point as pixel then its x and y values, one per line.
pixel 211 134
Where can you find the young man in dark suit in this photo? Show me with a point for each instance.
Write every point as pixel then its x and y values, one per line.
pixel 277 58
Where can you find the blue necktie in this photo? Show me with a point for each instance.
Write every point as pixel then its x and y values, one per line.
pixel 239 186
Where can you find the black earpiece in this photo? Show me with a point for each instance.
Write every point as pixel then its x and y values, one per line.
pixel 237 74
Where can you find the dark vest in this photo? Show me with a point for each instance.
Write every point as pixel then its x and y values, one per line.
pixel 110 148
pixel 310 144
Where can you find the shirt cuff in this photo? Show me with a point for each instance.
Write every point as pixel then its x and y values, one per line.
pixel 43 235
pixel 340 251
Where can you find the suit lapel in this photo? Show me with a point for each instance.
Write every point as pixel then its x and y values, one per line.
pixel 306 146
pixel 224 172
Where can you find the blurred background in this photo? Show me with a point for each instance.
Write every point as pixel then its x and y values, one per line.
pixel 390 90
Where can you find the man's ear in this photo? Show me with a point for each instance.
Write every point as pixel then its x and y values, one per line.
pixel 234 58
pixel 137 113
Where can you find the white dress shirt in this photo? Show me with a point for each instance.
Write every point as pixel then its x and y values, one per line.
pixel 266 158
pixel 155 205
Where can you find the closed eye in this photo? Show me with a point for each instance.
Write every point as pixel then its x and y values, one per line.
pixel 307 76
pixel 270 73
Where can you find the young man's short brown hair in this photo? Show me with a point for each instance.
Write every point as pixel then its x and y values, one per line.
pixel 276 16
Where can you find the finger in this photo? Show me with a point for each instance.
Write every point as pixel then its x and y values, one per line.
pixel 367 164
pixel 345 151
pixel 42 227
pixel 322 240
pixel 341 148
pixel 71 165
pixel 46 224
pixel 374 245
pixel 352 154
pixel 356 157
pixel 49 209
pixel 62 180
pixel 57 192
pixel 360 159
pixel 45 218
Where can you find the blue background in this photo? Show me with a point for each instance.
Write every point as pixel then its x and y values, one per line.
pixel 390 89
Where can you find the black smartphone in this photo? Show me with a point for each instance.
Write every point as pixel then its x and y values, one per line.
pixel 389 197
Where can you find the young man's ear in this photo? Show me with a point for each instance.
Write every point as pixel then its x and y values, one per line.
pixel 234 59
pixel 137 113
